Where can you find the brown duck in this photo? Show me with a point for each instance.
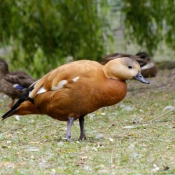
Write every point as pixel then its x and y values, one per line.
pixel 13 83
pixel 73 90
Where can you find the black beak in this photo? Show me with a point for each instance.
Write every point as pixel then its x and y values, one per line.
pixel 140 78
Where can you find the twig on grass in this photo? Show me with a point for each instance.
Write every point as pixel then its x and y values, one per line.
pixel 160 116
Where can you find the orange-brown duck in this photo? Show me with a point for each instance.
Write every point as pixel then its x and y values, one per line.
pixel 148 67
pixel 76 89
pixel 13 83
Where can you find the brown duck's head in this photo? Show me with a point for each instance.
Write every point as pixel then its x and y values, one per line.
pixel 144 55
pixel 3 67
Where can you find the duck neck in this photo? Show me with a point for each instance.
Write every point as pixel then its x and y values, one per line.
pixel 4 72
pixel 114 90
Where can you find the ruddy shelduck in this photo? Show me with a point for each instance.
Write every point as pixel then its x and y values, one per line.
pixel 76 89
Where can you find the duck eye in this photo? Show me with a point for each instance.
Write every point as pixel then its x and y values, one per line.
pixel 130 67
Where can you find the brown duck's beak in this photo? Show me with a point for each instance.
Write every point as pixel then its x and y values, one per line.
pixel 140 78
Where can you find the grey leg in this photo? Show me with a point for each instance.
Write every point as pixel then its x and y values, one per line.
pixel 68 132
pixel 82 131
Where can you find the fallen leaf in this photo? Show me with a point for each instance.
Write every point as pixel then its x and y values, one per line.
pixel 99 136
pixel 17 117
pixel 31 149
pixel 81 161
pixel 10 164
pixel 129 127
pixel 170 108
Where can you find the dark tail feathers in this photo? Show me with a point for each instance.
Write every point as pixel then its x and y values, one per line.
pixel 24 97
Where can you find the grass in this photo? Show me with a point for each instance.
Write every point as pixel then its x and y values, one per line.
pixel 135 136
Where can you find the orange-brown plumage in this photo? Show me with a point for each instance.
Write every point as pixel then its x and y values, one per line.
pixel 66 103
pixel 73 90
pixel 26 108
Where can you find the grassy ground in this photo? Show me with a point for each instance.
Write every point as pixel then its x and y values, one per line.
pixel 136 136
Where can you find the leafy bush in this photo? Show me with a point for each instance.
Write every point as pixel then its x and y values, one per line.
pixel 54 29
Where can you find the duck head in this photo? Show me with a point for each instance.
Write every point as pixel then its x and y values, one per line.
pixel 3 67
pixel 124 69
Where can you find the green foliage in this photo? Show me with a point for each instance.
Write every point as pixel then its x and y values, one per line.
pixel 58 28
pixel 80 29
pixel 149 22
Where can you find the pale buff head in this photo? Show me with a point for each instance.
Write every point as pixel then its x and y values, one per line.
pixel 123 68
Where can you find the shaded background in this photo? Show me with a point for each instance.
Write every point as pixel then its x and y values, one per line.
pixel 37 36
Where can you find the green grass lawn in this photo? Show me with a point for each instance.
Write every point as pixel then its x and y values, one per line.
pixel 136 136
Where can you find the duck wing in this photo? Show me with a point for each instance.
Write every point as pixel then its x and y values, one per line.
pixel 14 84
pixel 66 74
pixel 7 87
pixel 21 78
pixel 57 79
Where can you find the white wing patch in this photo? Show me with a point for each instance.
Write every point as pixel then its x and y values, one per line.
pixel 41 90
pixel 60 85
pixel 15 85
pixel 148 66
pixel 75 79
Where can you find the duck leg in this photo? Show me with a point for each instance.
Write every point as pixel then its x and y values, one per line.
pixel 68 132
pixel 12 103
pixel 82 130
